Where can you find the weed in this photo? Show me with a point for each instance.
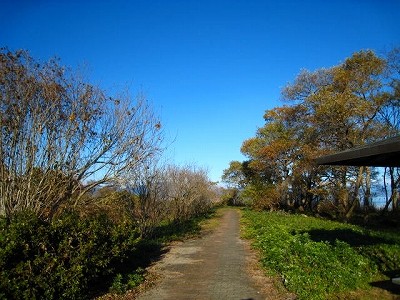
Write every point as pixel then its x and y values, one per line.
pixel 122 283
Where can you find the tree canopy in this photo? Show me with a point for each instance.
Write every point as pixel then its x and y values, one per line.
pixel 327 110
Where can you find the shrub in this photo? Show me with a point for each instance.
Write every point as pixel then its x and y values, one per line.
pixel 263 197
pixel 123 283
pixel 61 259
pixel 232 197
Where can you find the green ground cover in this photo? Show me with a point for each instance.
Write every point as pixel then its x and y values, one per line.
pixel 75 258
pixel 318 259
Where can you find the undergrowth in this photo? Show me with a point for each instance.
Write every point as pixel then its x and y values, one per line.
pixel 79 258
pixel 75 258
pixel 61 259
pixel 317 259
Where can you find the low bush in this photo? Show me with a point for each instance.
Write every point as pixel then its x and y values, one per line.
pixel 78 258
pixel 317 259
pixel 60 259
pixel 122 283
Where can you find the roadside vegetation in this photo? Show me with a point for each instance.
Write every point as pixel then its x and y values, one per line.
pixel 325 111
pixel 322 259
pixel 85 200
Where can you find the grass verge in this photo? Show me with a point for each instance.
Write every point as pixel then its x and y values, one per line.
pixel 320 259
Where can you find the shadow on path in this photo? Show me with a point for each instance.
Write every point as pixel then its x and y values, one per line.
pixel 211 267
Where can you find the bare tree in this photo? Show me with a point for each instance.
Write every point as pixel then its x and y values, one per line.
pixel 148 187
pixel 57 133
pixel 189 192
pixel 169 192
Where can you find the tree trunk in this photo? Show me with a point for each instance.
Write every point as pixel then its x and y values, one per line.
pixel 394 195
pixel 393 185
pixel 367 196
pixel 354 200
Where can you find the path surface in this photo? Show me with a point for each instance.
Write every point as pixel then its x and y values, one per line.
pixel 211 267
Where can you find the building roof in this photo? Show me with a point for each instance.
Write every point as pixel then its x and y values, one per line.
pixel 385 153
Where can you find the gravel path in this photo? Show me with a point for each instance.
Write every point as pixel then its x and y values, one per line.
pixel 211 267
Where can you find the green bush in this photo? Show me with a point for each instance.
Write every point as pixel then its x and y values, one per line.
pixel 61 259
pixel 317 258
pixel 123 283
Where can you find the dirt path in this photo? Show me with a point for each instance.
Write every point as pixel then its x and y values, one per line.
pixel 211 267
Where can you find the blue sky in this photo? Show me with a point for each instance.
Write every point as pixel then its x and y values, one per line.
pixel 209 68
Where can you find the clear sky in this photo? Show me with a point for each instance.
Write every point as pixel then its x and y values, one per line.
pixel 210 68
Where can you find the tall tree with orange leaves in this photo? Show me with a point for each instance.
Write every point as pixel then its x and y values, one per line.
pixel 327 110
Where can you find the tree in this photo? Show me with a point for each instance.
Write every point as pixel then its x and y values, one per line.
pixel 281 155
pixel 60 137
pixel 390 116
pixel 330 110
pixel 189 192
pixel 148 185
pixel 234 175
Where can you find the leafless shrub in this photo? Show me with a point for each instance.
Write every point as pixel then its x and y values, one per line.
pixel 189 192
pixel 57 133
pixel 150 191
